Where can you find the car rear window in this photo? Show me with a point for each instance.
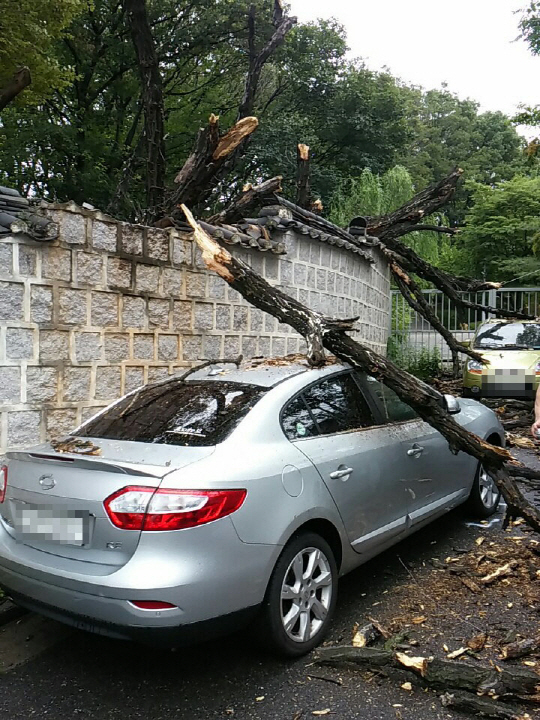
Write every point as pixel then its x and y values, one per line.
pixel 182 413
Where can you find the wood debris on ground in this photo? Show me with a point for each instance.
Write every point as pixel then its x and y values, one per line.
pixel 478 650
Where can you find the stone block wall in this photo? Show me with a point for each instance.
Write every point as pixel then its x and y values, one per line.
pixel 109 306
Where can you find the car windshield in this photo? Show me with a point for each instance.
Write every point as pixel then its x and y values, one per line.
pixel 176 413
pixel 511 336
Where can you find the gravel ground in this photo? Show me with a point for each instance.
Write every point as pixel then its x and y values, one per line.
pixel 86 676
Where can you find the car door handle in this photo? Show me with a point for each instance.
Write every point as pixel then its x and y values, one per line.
pixel 415 451
pixel 337 474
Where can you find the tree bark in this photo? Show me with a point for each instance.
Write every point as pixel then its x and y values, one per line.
pixel 321 332
pixel 20 80
pixel 152 100
pixel 303 190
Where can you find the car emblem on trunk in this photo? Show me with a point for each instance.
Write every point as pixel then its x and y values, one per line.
pixel 47 482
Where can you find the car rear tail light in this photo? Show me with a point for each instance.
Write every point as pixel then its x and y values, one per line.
pixel 152 605
pixel 144 508
pixel 3 483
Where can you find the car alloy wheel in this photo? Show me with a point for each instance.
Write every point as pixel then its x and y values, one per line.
pixel 306 594
pixel 489 493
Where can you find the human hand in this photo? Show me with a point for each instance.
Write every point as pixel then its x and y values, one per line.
pixel 535 429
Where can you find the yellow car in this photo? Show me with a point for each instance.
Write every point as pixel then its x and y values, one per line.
pixel 513 350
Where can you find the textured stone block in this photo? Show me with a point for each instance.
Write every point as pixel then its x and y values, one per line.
pixel 212 347
pixel 203 316
pixel 132 239
pixel 134 378
pixel 10 385
pixel 6 258
pixel 41 384
pixel 104 309
pixel 335 259
pixel 191 347
pixel 283 329
pixel 278 347
pixel 27 261
pixel 270 323
pixel 249 346
pixel 346 285
pixel 23 428
pixel 223 317
pixel 157 244
pixel 147 278
pixel 240 318
pixel 143 347
pixel 217 288
pixel 271 267
pixel 182 251
pixel 311 277
pixel 300 274
pixel 264 346
pixel 60 422
pixel 326 255
pixel 88 347
pixel 321 279
pixel 168 347
pixel 195 285
pixel 231 346
pixel 314 252
pixel 234 296
pixel 73 229
pixel 116 347
pixel 119 273
pixel 53 345
pixel 285 272
pixel 133 312
pixel 104 236
pixel 76 384
pixel 292 345
pixel 182 315
pixel 155 374
pixel 108 382
pixel 331 282
pixel 173 282
pixel 256 320
pixel 303 296
pixel 158 312
pixel 72 306
pixel 19 343
pixel 41 304
pixel 11 301
pixel 89 268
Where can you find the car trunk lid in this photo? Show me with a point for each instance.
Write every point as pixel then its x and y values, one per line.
pixel 54 500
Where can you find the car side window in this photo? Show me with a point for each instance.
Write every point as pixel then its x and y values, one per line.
pixel 337 404
pixel 296 420
pixel 393 409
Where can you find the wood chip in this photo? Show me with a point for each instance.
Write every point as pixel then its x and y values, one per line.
pixel 500 572
pixel 419 620
pixel 414 663
pixel 456 653
pixel 477 642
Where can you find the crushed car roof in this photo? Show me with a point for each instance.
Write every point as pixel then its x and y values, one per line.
pixel 265 372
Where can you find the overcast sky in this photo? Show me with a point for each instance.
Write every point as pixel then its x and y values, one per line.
pixel 469 44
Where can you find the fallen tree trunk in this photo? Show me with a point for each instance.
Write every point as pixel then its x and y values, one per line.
pixel 467 702
pixel 321 332
pixel 521 648
pixel 20 80
pixel 303 190
pixel 438 673
pixel 251 197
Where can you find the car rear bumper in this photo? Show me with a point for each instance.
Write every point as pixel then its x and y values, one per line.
pixel 207 574
pixel 163 636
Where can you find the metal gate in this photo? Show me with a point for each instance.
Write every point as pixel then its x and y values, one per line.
pixel 411 330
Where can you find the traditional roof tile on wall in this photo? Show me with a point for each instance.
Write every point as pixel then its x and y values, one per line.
pixel 17 216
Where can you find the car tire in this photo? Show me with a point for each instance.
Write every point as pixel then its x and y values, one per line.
pixel 306 571
pixel 485 496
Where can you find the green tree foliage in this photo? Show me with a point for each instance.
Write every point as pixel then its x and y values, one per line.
pixel 29 32
pixel 501 240
pixel 83 139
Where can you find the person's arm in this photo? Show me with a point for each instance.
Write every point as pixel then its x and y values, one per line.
pixel 536 425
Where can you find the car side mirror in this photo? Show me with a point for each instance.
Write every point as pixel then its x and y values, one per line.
pixel 452 405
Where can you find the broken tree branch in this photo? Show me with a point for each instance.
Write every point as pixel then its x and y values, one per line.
pixel 432 228
pixel 201 170
pixel 20 80
pixel 303 190
pixel 321 332
pixel 251 197
pixel 415 297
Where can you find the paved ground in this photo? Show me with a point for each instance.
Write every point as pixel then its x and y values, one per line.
pixel 85 676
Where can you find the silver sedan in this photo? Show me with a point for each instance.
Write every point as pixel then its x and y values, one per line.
pixel 231 496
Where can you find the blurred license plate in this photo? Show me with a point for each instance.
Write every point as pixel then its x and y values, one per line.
pixel 50 523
